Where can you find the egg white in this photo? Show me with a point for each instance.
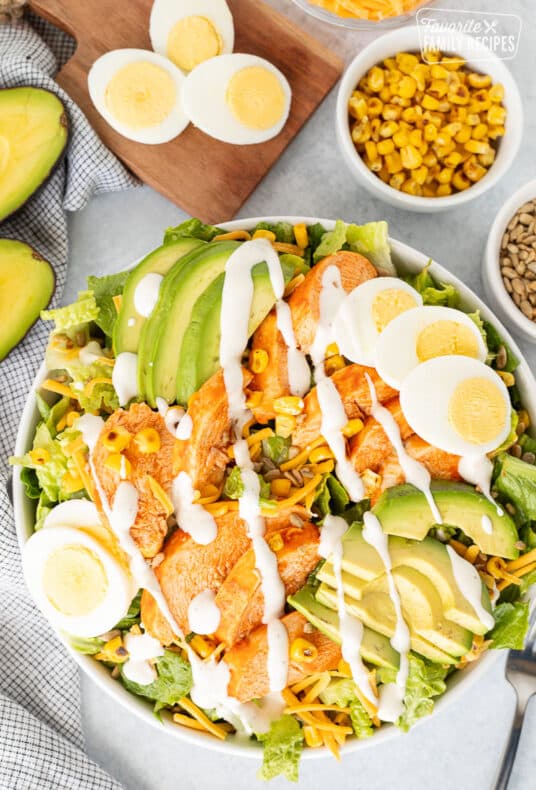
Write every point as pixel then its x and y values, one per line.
pixel 119 590
pixel 204 100
pixel 354 330
pixel 166 13
pixel 396 349
pixel 102 72
pixel 425 397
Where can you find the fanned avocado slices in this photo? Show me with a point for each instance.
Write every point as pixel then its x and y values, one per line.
pixel 26 285
pixel 34 131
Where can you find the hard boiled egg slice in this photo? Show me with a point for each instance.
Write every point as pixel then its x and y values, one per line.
pixel 76 576
pixel 457 404
pixel 189 32
pixel 366 312
pixel 139 94
pixel 422 334
pixel 240 99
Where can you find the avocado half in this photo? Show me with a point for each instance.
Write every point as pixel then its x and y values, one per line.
pixel 34 131
pixel 26 285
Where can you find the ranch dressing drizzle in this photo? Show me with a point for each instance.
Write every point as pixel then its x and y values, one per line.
pixel 331 406
pixel 470 585
pixel 237 297
pixel 299 375
pixel 141 648
pixel 90 353
pixel 351 629
pixel 210 679
pixel 414 472
pixel 178 423
pixel 391 694
pixel 478 470
pixel 125 377
pixel 191 517
pixel 146 293
pixel 203 613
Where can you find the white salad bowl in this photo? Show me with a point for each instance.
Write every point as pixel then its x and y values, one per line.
pixel 407 260
pixel 406 39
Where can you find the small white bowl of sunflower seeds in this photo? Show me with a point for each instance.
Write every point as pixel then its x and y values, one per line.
pixel 510 262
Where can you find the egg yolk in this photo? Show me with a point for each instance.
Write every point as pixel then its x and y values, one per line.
pixel 256 97
pixel 192 40
pixel 389 304
pixel 477 410
pixel 141 94
pixel 74 580
pixel 446 337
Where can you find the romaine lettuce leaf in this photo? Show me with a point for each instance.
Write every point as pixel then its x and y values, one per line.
pixel 332 241
pixel 372 241
pixel 44 506
pixel 276 449
pixel 173 682
pixel 425 681
pixel 104 289
pixel 194 228
pixel 74 315
pixel 283 745
pixel 342 691
pixel 511 625
pixel 284 232
pixel 434 293
pixel 495 341
pixel 234 487
pixel 361 721
pixel 132 617
pixel 516 481
pixel 28 478
pixel 88 647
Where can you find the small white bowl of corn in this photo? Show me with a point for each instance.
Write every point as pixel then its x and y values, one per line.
pixel 428 133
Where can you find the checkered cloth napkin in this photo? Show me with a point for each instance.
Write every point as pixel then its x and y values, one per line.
pixel 41 739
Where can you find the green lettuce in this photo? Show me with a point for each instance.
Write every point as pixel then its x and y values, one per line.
pixel 88 647
pixel 372 241
pixel 516 481
pixel 425 681
pixel 511 625
pixel 104 289
pixel 193 228
pixel 44 506
pixel 342 691
pixel 333 498
pixel 234 487
pixel 332 241
pixel 294 264
pixel 433 293
pixel 174 680
pixel 276 449
pixel 28 478
pixel 315 233
pixel 284 232
pixel 74 315
pixel 494 342
pixel 132 617
pixel 283 745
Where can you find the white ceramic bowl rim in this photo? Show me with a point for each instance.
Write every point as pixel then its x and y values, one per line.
pixel 409 260
pixel 407 38
pixel 493 278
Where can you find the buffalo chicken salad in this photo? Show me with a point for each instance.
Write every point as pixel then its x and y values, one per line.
pixel 282 489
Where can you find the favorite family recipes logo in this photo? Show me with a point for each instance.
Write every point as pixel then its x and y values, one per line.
pixel 479 34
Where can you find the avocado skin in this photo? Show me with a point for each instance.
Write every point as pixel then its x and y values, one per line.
pixel 200 351
pixel 159 261
pixel 53 144
pixel 28 282
pixel 375 648
pixel 404 511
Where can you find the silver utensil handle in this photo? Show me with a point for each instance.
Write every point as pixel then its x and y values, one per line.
pixel 510 751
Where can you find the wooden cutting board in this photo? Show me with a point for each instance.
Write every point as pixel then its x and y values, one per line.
pixel 205 177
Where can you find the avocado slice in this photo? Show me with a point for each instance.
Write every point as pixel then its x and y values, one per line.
pixel 129 322
pixel 200 352
pixel 33 137
pixel 429 557
pixel 162 336
pixel 26 284
pixel 375 648
pixel 404 511
pixel 431 633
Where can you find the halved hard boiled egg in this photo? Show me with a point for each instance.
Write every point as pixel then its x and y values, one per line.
pixel 75 572
pixel 239 99
pixel 422 334
pixel 188 32
pixel 457 404
pixel 366 312
pixel 139 94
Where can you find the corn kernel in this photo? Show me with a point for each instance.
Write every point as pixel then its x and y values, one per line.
pixel 411 187
pixel 393 162
pixel 391 112
pixel 463 135
pixel 508 378
pixel 284 425
pixel 374 107
pixel 410 114
pixel 476 146
pixel 322 453
pixel 375 79
pixel 438 88
pixel 452 64
pixel 202 646
pixel 302 651
pixel 443 190
pixel 496 131
pixel 420 75
pixel 479 80
pixel 71 482
pixel 415 137
pixel 39 456
pixel 389 63
pixel 496 116
pixel 119 464
pixel 373 164
pixel 400 138
pixel 276 541
pixel 371 150
pixel 431 55
pixel 473 170
pixel 375 129
pixel 453 159
pixel 430 132
pixel 361 132
pixel 428 191
pixel 115 440
pixel 420 174
pixel 429 102
pixel 397 180
pixel 337 362
pixel 406 62
pixel 459 94
pixel 160 495
pixel 487 159
pixel 288 404
pixel 445 176
pixel 258 360
pixel 388 128
pixel 113 651
pixel 460 182
pixel 385 94
pixel 147 441
pixel 411 158
pixel 439 72
pixel 332 350
pixel 357 107
pixel 407 87
pixel 265 234
pixel 301 235
pixel 383 173
pixel 496 93
pixel 386 147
